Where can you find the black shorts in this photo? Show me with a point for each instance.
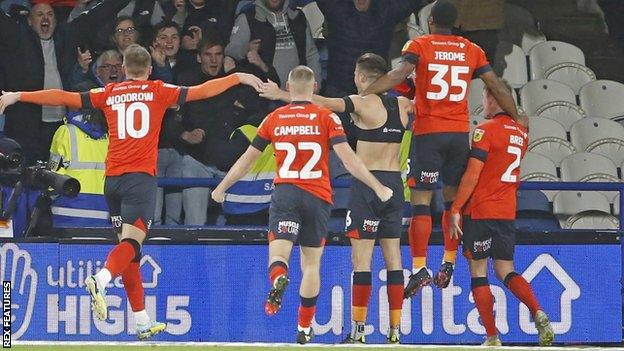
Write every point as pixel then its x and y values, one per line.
pixel 368 217
pixel 438 154
pixel 483 238
pixel 131 199
pixel 296 214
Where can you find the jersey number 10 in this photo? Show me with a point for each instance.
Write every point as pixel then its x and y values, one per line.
pixel 439 80
pixel 125 120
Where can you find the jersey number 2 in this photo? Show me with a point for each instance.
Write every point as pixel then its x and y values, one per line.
pixel 438 79
pixel 507 176
pixel 291 152
pixel 125 120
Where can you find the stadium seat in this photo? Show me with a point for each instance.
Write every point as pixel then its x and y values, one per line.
pixel 539 168
pixel 616 205
pixel 587 167
pixel 563 112
pixel 475 96
pixel 423 18
pixel 549 138
pixel 512 64
pixel 414 30
pixel 600 136
pixel 533 211
pixel 603 98
pixel 529 40
pixel 569 203
pixel 315 19
pixel 545 128
pixel 570 74
pixel 475 120
pixel 539 94
pixel 592 220
pixel 550 53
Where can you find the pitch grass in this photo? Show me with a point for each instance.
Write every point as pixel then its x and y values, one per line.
pixel 148 347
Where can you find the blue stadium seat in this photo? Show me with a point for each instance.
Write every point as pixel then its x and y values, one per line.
pixel 533 211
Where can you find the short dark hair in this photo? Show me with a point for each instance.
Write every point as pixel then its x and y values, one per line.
pixel 372 64
pixel 210 41
pixel 444 14
pixel 166 24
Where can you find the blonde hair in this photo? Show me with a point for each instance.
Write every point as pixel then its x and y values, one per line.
pixel 301 80
pixel 137 60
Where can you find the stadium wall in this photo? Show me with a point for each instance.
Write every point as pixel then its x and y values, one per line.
pixel 216 293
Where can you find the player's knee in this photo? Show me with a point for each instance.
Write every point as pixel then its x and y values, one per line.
pixel 504 270
pixel 136 246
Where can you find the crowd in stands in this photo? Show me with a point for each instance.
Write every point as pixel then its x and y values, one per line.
pixel 77 45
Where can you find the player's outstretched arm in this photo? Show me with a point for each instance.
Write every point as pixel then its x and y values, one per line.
pixel 466 188
pixel 215 87
pixel 390 79
pixel 502 96
pixel 356 167
pixel 52 97
pixel 271 91
pixel 238 170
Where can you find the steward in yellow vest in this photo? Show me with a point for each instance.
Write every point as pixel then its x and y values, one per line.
pixel 252 194
pixel 79 150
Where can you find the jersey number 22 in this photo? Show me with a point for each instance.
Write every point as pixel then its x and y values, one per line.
pixel 291 152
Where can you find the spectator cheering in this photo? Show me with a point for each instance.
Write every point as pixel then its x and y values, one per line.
pixel 41 54
pixel 107 69
pixel 208 125
pixel 269 34
pixel 125 33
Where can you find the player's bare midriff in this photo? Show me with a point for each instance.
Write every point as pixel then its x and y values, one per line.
pixel 379 156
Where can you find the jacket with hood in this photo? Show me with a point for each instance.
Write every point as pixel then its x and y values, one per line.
pixel 352 33
pixel 256 21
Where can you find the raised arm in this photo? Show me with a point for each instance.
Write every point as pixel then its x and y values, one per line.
pixel 466 188
pixel 272 91
pixel 500 93
pixel 390 79
pixel 215 87
pixel 52 97
pixel 102 13
pixel 356 167
pixel 9 32
pixel 238 170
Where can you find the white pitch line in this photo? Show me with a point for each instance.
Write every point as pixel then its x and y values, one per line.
pixel 320 346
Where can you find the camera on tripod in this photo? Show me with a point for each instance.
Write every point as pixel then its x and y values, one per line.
pixel 37 177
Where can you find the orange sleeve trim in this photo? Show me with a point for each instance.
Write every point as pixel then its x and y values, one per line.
pixel 52 97
pixel 211 88
pixel 468 184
